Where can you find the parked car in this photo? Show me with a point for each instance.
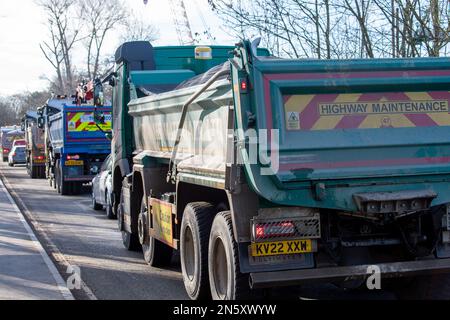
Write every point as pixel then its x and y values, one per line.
pixel 101 189
pixel 17 156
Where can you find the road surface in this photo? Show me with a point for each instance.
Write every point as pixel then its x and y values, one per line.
pixel 26 271
pixel 76 235
pixel 79 238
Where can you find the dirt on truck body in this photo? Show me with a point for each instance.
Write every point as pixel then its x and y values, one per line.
pixel 268 172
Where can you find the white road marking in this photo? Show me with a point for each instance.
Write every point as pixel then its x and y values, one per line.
pixel 56 254
pixel 52 268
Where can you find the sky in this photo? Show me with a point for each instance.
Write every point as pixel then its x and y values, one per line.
pixel 23 66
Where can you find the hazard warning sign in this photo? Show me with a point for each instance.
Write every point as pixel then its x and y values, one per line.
pixel 292 120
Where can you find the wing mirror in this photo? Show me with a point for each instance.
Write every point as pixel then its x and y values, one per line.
pixel 98 93
pixel 99 117
pixel 108 135
pixel 41 122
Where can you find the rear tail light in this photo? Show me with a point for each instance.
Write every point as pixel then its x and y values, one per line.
pixel 73 157
pixel 5 150
pixel 39 158
pixel 14 154
pixel 274 230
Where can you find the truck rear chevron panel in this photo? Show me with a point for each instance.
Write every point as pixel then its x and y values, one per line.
pixel 84 121
pixel 367 111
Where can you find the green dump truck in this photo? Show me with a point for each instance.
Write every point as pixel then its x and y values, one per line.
pixel 267 172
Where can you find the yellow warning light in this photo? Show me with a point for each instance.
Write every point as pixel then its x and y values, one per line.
pixel 203 53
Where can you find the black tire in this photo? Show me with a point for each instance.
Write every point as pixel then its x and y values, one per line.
pixel 42 173
pixel 226 280
pixel 51 180
pixel 94 203
pixel 57 180
pixel 108 207
pixel 76 188
pixel 28 168
pixel 130 240
pixel 194 240
pixel 65 187
pixel 156 253
pixel 34 172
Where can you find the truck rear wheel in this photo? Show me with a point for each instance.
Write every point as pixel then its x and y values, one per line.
pixel 195 229
pixel 108 207
pixel 34 171
pixel 57 181
pixel 64 187
pixel 75 188
pixel 42 173
pixel 225 279
pixel 156 253
pixel 130 240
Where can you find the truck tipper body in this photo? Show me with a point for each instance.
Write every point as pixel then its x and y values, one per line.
pixel 270 172
pixel 35 145
pixel 8 135
pixel 75 145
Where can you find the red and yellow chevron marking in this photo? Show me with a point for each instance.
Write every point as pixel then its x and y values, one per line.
pixel 367 110
pixel 84 121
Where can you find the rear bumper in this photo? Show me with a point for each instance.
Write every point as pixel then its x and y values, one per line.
pixel 38 164
pixel 388 270
pixel 79 178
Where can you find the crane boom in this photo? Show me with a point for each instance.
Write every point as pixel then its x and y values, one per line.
pixel 181 21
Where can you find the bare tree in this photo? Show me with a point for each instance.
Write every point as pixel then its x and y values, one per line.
pixel 100 18
pixel 63 36
pixel 9 116
pixel 53 52
pixel 12 108
pixel 433 19
pixel 341 28
pixel 136 29
pixel 419 27
pixel 360 10
pixel 294 28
